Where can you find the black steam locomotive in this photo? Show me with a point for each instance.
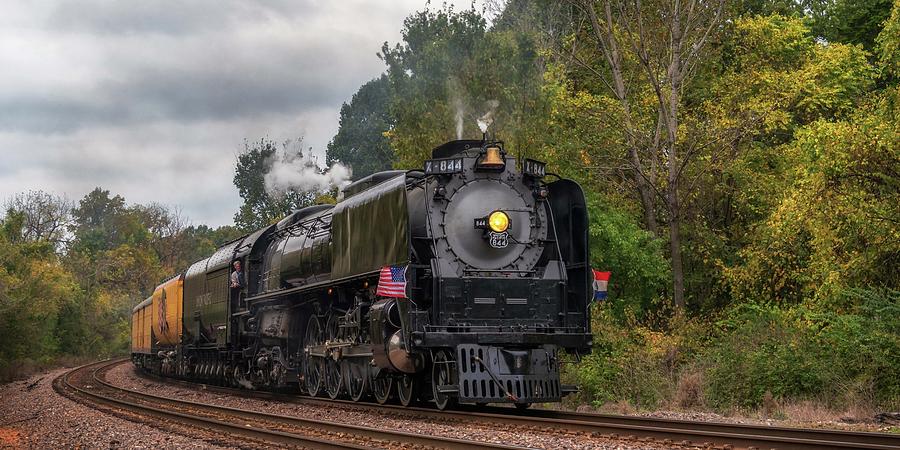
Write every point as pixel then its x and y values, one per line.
pixel 461 282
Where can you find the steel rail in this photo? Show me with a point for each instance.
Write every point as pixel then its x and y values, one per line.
pixel 664 430
pixel 818 438
pixel 242 430
pixel 717 433
pixel 236 421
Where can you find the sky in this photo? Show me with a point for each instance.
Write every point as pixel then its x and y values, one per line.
pixel 153 100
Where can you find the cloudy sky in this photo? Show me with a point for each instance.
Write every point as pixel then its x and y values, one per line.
pixel 153 99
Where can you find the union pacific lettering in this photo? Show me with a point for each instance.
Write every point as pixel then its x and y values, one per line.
pixel 205 299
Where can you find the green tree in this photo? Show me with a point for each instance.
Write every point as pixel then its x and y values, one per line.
pixel 102 223
pixel 838 224
pixel 116 256
pixel 889 43
pixel 262 207
pixel 450 70
pixel 360 141
pixel 639 63
pixel 34 288
pixel 103 226
pixel 852 21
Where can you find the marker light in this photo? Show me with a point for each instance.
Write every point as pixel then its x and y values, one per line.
pixel 498 221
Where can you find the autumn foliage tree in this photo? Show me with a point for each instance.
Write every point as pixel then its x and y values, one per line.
pixel 739 160
pixel 361 142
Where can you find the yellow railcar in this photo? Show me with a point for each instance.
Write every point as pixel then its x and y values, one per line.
pixel 134 331
pixel 140 325
pixel 148 329
pixel 166 312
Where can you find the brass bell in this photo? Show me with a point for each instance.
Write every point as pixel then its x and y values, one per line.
pixel 492 159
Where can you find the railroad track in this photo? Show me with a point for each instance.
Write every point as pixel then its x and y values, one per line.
pixel 86 384
pixel 630 428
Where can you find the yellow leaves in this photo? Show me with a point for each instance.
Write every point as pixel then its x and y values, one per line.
pixel 834 79
pixel 585 157
pixel 772 41
pixel 838 221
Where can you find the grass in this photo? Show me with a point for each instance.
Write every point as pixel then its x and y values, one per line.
pixel 23 369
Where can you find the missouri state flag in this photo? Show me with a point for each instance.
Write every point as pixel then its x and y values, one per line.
pixel 392 282
pixel 601 279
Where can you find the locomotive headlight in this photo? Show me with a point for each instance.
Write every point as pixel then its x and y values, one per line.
pixel 498 221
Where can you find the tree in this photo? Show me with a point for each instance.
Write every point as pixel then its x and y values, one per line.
pixel 449 71
pixel 33 290
pixel 103 222
pixel 764 78
pixel 423 73
pixel 852 21
pixel 46 217
pixel 360 141
pixel 837 224
pixel 889 43
pixel 262 207
pixel 653 50
pixel 166 233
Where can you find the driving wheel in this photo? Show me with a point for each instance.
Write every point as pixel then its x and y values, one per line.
pixel 333 379
pixel 406 389
pixel 443 373
pixel 356 377
pixel 314 366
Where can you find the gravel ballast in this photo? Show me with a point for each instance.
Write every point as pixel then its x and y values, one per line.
pixel 33 415
pixel 125 376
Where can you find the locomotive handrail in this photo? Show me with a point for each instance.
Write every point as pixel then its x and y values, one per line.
pixel 306 225
pixel 300 289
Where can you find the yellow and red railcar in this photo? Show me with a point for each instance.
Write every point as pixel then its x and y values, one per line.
pixel 157 325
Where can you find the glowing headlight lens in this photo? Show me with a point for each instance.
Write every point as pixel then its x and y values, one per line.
pixel 498 221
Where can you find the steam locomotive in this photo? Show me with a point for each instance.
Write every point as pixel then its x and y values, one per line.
pixel 461 282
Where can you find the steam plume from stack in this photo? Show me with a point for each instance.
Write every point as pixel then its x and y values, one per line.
pixel 299 173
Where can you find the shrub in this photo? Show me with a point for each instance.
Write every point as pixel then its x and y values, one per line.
pixel 841 353
pixel 806 352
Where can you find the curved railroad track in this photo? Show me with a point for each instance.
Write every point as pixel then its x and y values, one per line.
pixel 87 385
pixel 630 428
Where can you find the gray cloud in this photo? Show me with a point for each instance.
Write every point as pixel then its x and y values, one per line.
pixel 153 100
pixel 171 17
pixel 189 61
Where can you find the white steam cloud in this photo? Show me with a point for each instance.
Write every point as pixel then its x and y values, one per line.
pixel 460 113
pixel 459 106
pixel 488 118
pixel 299 173
pixel 461 103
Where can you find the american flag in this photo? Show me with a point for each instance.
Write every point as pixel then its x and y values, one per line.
pixel 392 282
